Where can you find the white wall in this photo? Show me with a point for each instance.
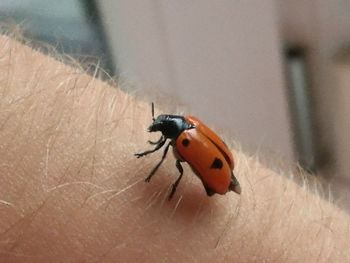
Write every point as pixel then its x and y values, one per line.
pixel 220 57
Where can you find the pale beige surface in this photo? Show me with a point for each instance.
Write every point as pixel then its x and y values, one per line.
pixel 72 191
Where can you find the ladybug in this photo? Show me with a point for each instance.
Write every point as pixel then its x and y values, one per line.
pixel 193 142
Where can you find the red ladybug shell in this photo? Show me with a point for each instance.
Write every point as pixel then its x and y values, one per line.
pixel 215 139
pixel 207 155
pixel 193 142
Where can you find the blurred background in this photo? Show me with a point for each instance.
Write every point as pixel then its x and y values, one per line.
pixel 272 74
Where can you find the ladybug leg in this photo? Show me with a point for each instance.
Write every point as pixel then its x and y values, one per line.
pixel 158 146
pixel 181 170
pixel 148 178
pixel 156 142
pixel 209 191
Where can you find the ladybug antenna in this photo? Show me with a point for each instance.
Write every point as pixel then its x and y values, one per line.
pixel 153 111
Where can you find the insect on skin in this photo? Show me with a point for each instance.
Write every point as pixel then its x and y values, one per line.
pixel 193 142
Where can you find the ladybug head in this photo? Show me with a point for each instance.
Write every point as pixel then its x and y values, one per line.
pixel 169 125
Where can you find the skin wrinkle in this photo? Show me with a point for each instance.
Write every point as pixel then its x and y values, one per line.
pixel 92 150
pixel 26 221
pixel 125 242
pixel 8 76
pixel 231 222
pixel 108 215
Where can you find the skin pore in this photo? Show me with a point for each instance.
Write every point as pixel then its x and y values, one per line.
pixel 71 189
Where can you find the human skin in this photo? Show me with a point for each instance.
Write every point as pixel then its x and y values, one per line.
pixel 72 190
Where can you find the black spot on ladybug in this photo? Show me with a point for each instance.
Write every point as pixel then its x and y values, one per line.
pixel 217 164
pixel 185 142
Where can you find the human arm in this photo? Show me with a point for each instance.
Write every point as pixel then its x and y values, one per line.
pixel 71 189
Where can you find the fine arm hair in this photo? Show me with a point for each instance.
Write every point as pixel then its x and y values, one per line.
pixel 72 190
